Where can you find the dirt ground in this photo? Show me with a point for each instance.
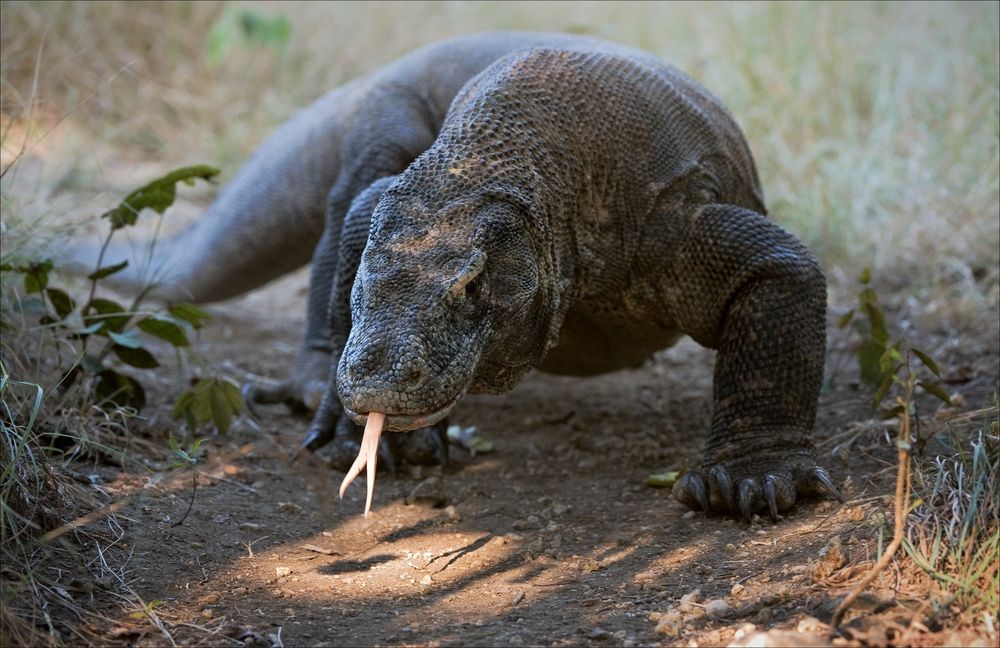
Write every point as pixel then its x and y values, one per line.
pixel 552 539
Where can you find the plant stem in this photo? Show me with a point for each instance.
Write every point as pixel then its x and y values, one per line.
pixel 194 490
pixel 901 508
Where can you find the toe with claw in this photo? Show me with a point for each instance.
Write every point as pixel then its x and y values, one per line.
pixel 754 487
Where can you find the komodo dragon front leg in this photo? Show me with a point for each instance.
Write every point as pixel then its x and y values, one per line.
pixel 738 283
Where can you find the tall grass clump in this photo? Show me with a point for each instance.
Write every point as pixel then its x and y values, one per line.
pixel 953 534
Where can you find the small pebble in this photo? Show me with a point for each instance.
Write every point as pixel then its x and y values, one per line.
pixel 207 614
pixel 210 599
pixel 670 624
pixel 717 608
pixel 239 591
pixel 282 571
pixel 737 589
pixel 689 515
pixel 518 597
pixel 688 600
pixel 599 634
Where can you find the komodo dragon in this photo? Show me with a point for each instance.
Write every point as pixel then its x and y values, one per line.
pixel 509 201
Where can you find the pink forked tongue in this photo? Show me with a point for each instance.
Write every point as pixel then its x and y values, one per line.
pixel 368 455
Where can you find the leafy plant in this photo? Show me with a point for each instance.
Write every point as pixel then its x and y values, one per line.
pixel 189 459
pixel 108 334
pixel 901 382
pixel 869 321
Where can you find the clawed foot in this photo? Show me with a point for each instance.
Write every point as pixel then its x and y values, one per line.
pixel 747 487
pixel 422 447
pixel 302 393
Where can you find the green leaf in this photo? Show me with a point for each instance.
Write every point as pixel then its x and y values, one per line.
pixel 112 314
pixel 234 396
pixel 165 330
pixel 139 358
pixel 845 319
pixel 893 412
pixel 88 330
pixel 928 361
pixel 201 404
pixel 6 267
pixel 222 414
pixel 107 271
pixel 883 388
pixel 61 302
pixel 936 390
pixel 189 313
pixel 876 318
pixel 118 389
pixel 36 276
pixel 869 361
pixel 866 276
pixel 127 339
pixel 663 480
pixel 889 357
pixel 157 195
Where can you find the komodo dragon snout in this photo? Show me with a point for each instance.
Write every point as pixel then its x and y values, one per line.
pixel 446 302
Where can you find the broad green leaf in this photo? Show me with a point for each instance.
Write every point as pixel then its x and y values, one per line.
pixel 60 301
pixel 201 404
pixel 869 356
pixel 928 361
pixel 182 404
pixel 157 195
pixel 189 313
pixel 876 319
pixel 866 276
pixel 127 339
pixel 165 330
pixel 935 389
pixel 222 414
pixel 883 388
pixel 36 276
pixel 139 358
pixel 112 314
pixel 234 396
pixel 6 267
pixel 107 271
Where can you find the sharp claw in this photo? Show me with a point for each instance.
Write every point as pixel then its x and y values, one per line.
pixel 746 497
pixel 823 477
pixel 771 495
pixel 697 486
pixel 720 482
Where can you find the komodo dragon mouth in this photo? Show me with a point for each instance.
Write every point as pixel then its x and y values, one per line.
pixel 407 422
pixel 375 423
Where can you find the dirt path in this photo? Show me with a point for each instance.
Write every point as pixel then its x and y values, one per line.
pixel 552 539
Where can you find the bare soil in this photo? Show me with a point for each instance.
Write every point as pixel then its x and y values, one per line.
pixel 552 539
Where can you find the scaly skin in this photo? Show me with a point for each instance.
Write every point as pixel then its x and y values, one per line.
pixel 578 211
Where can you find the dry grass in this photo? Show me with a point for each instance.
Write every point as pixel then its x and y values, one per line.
pixel 876 128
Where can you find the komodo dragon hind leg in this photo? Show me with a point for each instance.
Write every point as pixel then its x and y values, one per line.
pixel 740 284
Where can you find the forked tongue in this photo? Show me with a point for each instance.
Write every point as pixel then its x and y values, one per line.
pixel 368 455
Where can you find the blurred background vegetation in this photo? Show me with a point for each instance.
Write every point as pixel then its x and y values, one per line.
pixel 875 126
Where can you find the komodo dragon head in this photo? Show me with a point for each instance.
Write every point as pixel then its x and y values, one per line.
pixel 453 295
